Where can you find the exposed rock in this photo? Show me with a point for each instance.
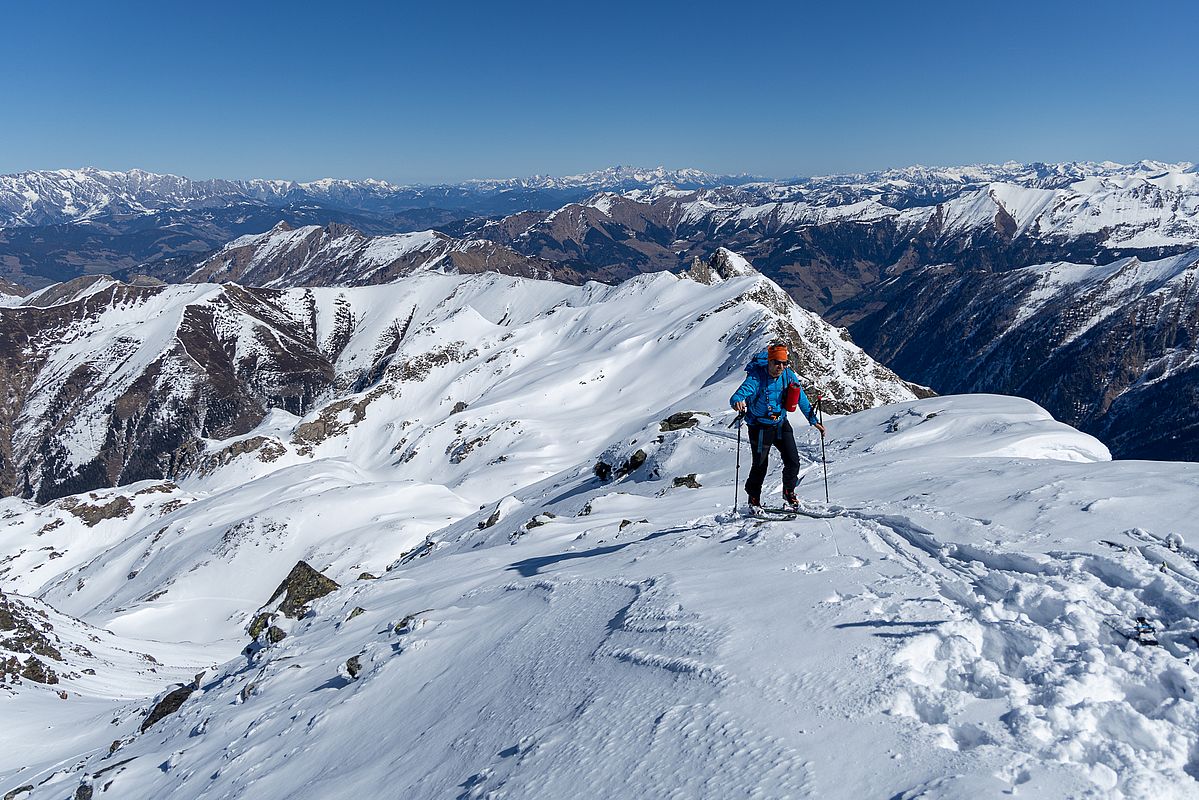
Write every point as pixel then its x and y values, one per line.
pixel 459 451
pixel 301 586
pixel 171 702
pixel 602 470
pixel 268 449
pixel 679 421
pixel 93 515
pixel 492 520
pixel 275 634
pixel 358 611
pixel 688 481
pixel 635 461
pixel 417 369
pixel 53 524
pixel 624 523
pixel 353 667
pixel 84 792
pixel 20 790
pixel 539 520
pixel 259 624
pixel 459 407
pixel 368 576
pixel 21 634
pixel 329 422
pixel 700 272
pixel 158 488
pixel 38 672
pixel 409 623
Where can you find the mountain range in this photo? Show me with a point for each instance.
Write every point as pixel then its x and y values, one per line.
pixel 883 254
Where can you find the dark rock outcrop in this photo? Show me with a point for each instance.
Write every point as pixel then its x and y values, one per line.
pixel 26 637
pixel 301 586
pixel 171 702
pixel 678 422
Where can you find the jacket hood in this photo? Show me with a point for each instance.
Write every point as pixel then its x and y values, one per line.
pixel 758 362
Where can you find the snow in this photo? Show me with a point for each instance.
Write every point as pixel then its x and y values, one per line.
pixel 1108 286
pixel 952 624
pixel 944 625
pixel 385 250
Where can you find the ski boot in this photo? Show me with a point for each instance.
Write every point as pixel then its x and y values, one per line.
pixel 1143 632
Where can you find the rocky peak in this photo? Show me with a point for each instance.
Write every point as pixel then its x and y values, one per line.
pixel 722 265
pixel 727 264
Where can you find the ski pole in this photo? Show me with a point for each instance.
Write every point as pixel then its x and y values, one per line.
pixel 823 456
pixel 737 480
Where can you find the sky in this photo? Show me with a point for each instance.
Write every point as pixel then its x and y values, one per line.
pixel 429 92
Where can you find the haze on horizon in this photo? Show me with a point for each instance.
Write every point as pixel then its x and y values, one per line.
pixel 422 94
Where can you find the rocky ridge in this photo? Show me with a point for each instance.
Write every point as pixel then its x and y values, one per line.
pixel 337 255
pixel 112 383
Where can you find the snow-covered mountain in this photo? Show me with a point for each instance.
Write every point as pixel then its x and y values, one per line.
pixel 336 255
pixel 112 383
pixel 490 550
pixel 53 197
pixel 840 245
pixel 49 197
pixel 828 238
pixel 617 178
pixel 1113 347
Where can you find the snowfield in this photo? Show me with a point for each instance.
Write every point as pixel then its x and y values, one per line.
pixel 958 622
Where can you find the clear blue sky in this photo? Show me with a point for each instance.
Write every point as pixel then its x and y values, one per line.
pixel 432 91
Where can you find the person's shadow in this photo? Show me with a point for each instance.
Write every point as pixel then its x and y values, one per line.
pixel 532 566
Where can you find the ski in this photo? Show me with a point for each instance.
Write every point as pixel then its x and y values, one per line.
pixel 770 514
pixel 1142 632
pixel 801 512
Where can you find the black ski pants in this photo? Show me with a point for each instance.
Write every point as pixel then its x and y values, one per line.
pixel 761 439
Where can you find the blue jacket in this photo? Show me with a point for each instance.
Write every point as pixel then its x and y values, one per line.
pixel 764 396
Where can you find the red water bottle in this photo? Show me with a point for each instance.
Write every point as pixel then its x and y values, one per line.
pixel 791 397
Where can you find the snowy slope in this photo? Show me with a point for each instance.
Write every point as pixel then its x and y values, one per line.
pixel 340 256
pixel 950 627
pixel 465 407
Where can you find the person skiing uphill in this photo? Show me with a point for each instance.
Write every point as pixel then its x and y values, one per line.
pixel 762 398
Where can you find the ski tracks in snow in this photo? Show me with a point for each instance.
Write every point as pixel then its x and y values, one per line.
pixel 1032 662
